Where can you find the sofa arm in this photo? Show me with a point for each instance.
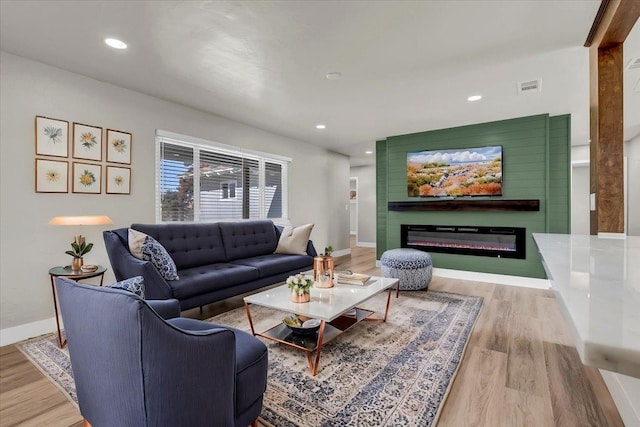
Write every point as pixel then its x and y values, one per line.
pixel 166 308
pixel 311 250
pixel 125 265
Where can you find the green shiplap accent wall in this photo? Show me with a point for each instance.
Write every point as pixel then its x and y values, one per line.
pixel 529 166
pixel 559 205
pixel 381 197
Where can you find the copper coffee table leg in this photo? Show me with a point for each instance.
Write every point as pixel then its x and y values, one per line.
pixel 386 310
pixel 246 307
pixel 313 367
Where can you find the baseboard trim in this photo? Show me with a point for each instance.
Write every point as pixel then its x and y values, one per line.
pixel 28 330
pixel 366 244
pixel 341 252
pixel 501 279
pixel 629 413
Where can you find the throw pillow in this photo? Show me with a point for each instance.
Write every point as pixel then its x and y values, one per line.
pixel 134 285
pixel 147 248
pixel 294 240
pixel 136 240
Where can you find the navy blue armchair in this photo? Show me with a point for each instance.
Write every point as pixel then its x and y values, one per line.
pixel 133 368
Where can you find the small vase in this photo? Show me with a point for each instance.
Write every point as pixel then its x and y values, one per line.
pixel 296 297
pixel 76 265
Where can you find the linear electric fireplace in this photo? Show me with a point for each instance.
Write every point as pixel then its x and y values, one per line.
pixel 501 242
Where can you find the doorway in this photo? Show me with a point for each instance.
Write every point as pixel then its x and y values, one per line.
pixel 353 207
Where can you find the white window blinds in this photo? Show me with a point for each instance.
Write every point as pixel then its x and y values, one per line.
pixel 227 184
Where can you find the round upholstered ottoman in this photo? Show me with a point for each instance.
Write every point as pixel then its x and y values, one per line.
pixel 411 266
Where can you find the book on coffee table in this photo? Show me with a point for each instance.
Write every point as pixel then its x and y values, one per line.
pixel 353 279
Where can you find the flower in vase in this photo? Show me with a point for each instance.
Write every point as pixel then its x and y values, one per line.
pixel 300 283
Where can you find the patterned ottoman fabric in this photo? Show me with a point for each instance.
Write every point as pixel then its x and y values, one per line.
pixel 411 266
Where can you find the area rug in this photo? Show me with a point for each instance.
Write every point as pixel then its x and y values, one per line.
pixel 383 374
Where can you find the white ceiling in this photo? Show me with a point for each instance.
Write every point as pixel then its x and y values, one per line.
pixel 407 66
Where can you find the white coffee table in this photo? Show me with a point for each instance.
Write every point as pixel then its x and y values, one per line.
pixel 328 305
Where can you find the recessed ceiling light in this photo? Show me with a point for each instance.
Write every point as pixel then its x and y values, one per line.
pixel 115 43
pixel 368 152
pixel 334 75
pixel 473 98
pixel 320 127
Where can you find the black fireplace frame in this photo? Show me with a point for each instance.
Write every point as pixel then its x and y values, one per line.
pixel 519 232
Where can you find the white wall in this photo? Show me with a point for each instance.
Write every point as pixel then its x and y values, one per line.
pixel 318 179
pixel 580 214
pixel 632 151
pixel 366 203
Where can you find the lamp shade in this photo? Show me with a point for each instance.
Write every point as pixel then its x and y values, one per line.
pixel 81 220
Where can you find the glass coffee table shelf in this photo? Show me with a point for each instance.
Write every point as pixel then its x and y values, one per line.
pixel 309 342
pixel 332 306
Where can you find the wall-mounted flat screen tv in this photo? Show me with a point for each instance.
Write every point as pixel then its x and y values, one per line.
pixel 453 173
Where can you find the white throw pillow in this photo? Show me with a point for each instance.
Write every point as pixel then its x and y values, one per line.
pixel 294 240
pixel 136 240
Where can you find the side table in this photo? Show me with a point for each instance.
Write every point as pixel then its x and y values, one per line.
pixel 73 275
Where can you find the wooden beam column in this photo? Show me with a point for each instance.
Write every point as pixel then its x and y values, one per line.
pixel 614 21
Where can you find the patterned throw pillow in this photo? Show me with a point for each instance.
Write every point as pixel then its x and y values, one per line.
pixel 145 247
pixel 134 285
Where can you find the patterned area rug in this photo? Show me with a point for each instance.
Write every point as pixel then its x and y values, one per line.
pixel 393 373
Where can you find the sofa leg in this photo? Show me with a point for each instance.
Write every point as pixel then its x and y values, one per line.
pixel 254 423
pixel 85 423
pixel 200 309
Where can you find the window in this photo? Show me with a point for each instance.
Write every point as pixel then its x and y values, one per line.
pixel 228 189
pixel 228 184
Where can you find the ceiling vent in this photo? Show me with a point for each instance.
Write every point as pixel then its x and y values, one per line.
pixel 634 64
pixel 530 86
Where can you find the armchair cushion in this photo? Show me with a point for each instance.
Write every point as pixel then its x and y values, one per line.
pixel 135 285
pixel 145 247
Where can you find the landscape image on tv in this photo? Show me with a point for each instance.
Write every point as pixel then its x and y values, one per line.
pixel 463 172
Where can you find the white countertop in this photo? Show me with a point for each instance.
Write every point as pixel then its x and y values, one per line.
pixel 597 283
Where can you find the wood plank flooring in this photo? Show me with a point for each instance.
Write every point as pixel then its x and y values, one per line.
pixel 520 367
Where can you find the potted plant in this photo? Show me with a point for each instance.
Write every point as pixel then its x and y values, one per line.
pixel 300 285
pixel 79 249
pixel 327 251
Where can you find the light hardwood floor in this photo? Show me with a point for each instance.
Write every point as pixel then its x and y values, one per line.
pixel 520 367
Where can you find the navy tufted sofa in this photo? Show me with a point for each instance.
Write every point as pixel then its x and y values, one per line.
pixel 214 260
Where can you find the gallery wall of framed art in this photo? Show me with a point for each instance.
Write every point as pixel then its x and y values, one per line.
pixel 81 158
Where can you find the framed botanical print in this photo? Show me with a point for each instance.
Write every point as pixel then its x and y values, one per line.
pixel 118 180
pixel 87 178
pixel 87 142
pixel 52 137
pixel 52 176
pixel 119 146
